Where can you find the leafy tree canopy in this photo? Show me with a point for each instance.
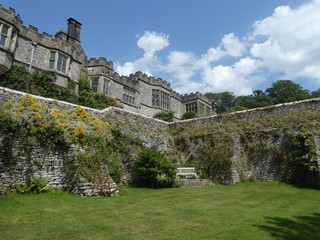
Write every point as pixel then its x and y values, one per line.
pixel 281 91
pixel 221 102
pixel 284 91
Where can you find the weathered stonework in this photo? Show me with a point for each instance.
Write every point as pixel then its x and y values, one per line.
pixel 151 132
pixel 23 160
pixel 258 165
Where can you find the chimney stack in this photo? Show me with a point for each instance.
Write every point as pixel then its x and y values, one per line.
pixel 74 28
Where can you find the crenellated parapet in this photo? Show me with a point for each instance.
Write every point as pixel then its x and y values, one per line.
pixel 30 33
pixel 11 15
pixel 99 67
pixel 176 95
pixel 100 62
pixel 139 76
pixel 195 96
pixel 128 81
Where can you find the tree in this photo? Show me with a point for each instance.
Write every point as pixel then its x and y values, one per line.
pixel 284 91
pixel 315 94
pixel 245 101
pixel 221 102
pixel 91 99
pixel 257 99
pixel 152 166
pixel 39 83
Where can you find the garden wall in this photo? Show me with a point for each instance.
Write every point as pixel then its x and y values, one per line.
pixel 237 146
pixel 50 164
pixel 285 109
pixel 150 130
pixel 20 159
pixel 258 147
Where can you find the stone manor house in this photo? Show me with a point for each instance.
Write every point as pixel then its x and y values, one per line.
pixel 63 54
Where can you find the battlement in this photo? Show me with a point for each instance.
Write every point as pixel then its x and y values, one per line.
pixel 100 62
pixel 176 95
pixel 150 80
pixel 58 41
pixel 193 96
pixel 16 21
pixel 11 11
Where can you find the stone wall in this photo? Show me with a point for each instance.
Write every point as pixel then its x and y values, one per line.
pixel 152 132
pixel 284 109
pixel 155 132
pixel 127 119
pixel 20 160
pixel 249 140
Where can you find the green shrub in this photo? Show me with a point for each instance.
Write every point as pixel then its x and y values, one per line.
pixel 165 116
pixel 42 83
pixel 235 109
pixel 189 115
pixel 115 168
pixel 36 184
pixel 154 169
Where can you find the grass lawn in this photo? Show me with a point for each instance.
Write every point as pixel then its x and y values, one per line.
pixel 244 211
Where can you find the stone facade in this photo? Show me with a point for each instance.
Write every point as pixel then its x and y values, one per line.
pixel 64 55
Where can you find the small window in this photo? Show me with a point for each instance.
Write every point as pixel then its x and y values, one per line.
pixel 105 86
pixel 62 63
pixel 128 95
pixel 95 84
pixel 58 61
pixel 52 60
pixel 192 107
pixel 13 40
pixel 156 97
pixel 8 36
pixel 165 100
pixel 160 99
pixel 4 34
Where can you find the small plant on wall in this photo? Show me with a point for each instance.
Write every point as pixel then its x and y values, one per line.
pixel 37 184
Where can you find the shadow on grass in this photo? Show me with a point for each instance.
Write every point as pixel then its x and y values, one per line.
pixel 299 228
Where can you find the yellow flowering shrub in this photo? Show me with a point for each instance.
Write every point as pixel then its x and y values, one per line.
pixel 74 125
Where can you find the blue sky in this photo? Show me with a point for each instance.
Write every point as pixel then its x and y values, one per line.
pixel 196 45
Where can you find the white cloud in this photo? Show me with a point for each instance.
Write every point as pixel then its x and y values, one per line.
pixel 184 65
pixel 239 78
pixel 292 41
pixel 180 64
pixel 287 42
pixel 230 46
pixel 150 42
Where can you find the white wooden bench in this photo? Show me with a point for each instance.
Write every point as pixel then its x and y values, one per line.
pixel 187 172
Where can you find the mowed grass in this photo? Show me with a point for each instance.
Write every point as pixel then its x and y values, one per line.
pixel 242 211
